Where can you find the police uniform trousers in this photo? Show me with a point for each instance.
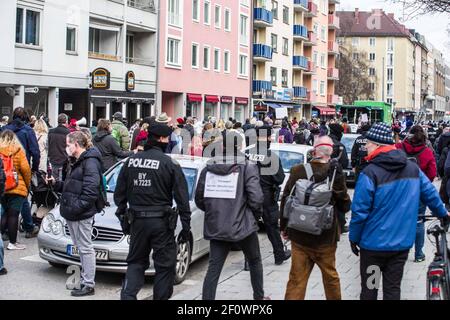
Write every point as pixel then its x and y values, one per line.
pixel 271 214
pixel 150 234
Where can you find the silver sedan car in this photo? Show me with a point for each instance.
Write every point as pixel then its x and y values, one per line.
pixel 110 244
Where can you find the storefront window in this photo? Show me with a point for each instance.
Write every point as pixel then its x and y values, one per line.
pixel 192 109
pixel 239 113
pixel 210 109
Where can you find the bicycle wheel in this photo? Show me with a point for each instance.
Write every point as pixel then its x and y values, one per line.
pixel 436 289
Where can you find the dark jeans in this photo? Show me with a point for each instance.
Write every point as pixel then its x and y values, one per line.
pixel 27 223
pixel 271 215
pixel 420 234
pixel 150 234
pixel 218 254
pixel 390 264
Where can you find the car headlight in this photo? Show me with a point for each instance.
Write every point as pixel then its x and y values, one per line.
pixel 50 224
pixel 47 223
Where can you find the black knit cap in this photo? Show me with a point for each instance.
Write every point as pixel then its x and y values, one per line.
pixel 160 130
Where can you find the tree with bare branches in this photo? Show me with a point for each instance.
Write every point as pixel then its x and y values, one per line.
pixel 354 80
pixel 414 8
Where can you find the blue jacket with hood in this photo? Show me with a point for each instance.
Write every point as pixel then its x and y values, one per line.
pixel 386 203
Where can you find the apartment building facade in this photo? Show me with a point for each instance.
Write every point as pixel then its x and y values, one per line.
pixel 204 58
pixel 390 50
pixel 87 58
pixel 447 92
pixel 439 85
pixel 294 55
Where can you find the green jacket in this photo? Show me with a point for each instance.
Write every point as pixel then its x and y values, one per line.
pixel 123 133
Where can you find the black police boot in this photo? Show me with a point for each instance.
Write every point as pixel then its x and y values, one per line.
pixel 246 266
pixel 83 291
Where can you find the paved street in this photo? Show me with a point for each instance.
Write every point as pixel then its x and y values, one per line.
pixel 30 277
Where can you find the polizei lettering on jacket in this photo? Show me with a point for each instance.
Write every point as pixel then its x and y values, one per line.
pixel 144 163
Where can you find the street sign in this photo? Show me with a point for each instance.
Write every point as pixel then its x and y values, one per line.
pixel 32 90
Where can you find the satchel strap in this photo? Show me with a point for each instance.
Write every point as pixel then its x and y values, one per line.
pixel 309 171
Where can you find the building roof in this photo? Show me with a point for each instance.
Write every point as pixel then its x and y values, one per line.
pixel 375 23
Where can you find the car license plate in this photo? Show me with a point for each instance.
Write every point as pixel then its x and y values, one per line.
pixel 101 255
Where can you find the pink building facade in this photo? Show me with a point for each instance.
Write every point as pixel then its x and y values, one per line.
pixel 204 58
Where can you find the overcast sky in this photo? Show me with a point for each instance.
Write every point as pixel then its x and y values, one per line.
pixel 433 27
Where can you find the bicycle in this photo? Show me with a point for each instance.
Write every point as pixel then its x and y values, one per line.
pixel 438 277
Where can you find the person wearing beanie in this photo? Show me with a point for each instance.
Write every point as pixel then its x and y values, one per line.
pixel 120 131
pixel 359 152
pixel 339 150
pixel 385 210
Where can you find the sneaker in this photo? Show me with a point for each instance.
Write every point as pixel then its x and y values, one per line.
pixel 421 259
pixel 5 237
pixel 3 271
pixel 32 234
pixel 84 291
pixel 287 256
pixel 15 246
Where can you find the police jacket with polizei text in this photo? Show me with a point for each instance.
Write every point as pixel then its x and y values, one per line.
pixel 359 151
pixel 152 179
pixel 270 168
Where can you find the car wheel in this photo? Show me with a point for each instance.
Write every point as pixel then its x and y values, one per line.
pixel 57 265
pixel 183 261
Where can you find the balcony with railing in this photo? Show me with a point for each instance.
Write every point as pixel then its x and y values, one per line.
pixel 333 99
pixel 311 69
pixel 146 5
pixel 333 21
pixel 262 52
pixel 300 63
pixel 311 96
pixel 312 10
pixel 300 92
pixel 333 74
pixel 261 85
pixel 333 47
pixel 301 5
pixel 311 40
pixel 263 18
pixel 300 32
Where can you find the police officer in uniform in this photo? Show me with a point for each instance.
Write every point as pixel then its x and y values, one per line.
pixel 359 151
pixel 148 182
pixel 271 178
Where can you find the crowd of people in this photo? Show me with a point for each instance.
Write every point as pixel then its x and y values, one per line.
pixel 395 167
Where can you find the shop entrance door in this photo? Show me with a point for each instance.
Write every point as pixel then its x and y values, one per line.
pixel 100 112
pixel 115 107
pixel 131 112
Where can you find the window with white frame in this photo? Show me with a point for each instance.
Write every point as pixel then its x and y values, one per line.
pixel 196 10
pixel 226 61
pixel 285 15
pixel 273 76
pixel 323 34
pixel 173 52
pixel 195 55
pixel 28 26
pixel 315 86
pixel 390 44
pixel 390 89
pixel 227 20
pixel 315 58
pixel 355 41
pixel 322 60
pixel 274 41
pixel 71 39
pixel 217 16
pixel 389 100
pixel 390 59
pixel 390 74
pixel 355 55
pixel 316 28
pixel 243 61
pixel 284 78
pixel 243 29
pixel 371 71
pixel 206 58
pixel 275 10
pixel 372 42
pixel 174 10
pixel 285 46
pixel 372 56
pixel 207 12
pixel 322 88
pixel 372 86
pixel 217 60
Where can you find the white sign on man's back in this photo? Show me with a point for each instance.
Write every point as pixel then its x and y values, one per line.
pixel 364 118
pixel 221 187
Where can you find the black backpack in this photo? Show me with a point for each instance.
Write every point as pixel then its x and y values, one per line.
pixel 441 162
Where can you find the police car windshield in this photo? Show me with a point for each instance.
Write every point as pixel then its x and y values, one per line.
pixel 189 173
pixel 348 143
pixel 290 159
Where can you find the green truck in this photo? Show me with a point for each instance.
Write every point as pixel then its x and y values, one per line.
pixel 375 111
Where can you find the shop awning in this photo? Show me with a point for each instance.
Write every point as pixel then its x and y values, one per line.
pixel 104 27
pixel 193 97
pixel 226 99
pixel 243 101
pixel 211 99
pixel 289 106
pixel 274 105
pixel 326 110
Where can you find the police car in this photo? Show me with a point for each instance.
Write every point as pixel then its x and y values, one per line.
pixel 110 244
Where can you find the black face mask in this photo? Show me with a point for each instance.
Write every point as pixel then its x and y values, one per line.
pixel 162 145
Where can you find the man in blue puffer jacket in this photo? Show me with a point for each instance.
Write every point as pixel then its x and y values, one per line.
pixel 384 212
